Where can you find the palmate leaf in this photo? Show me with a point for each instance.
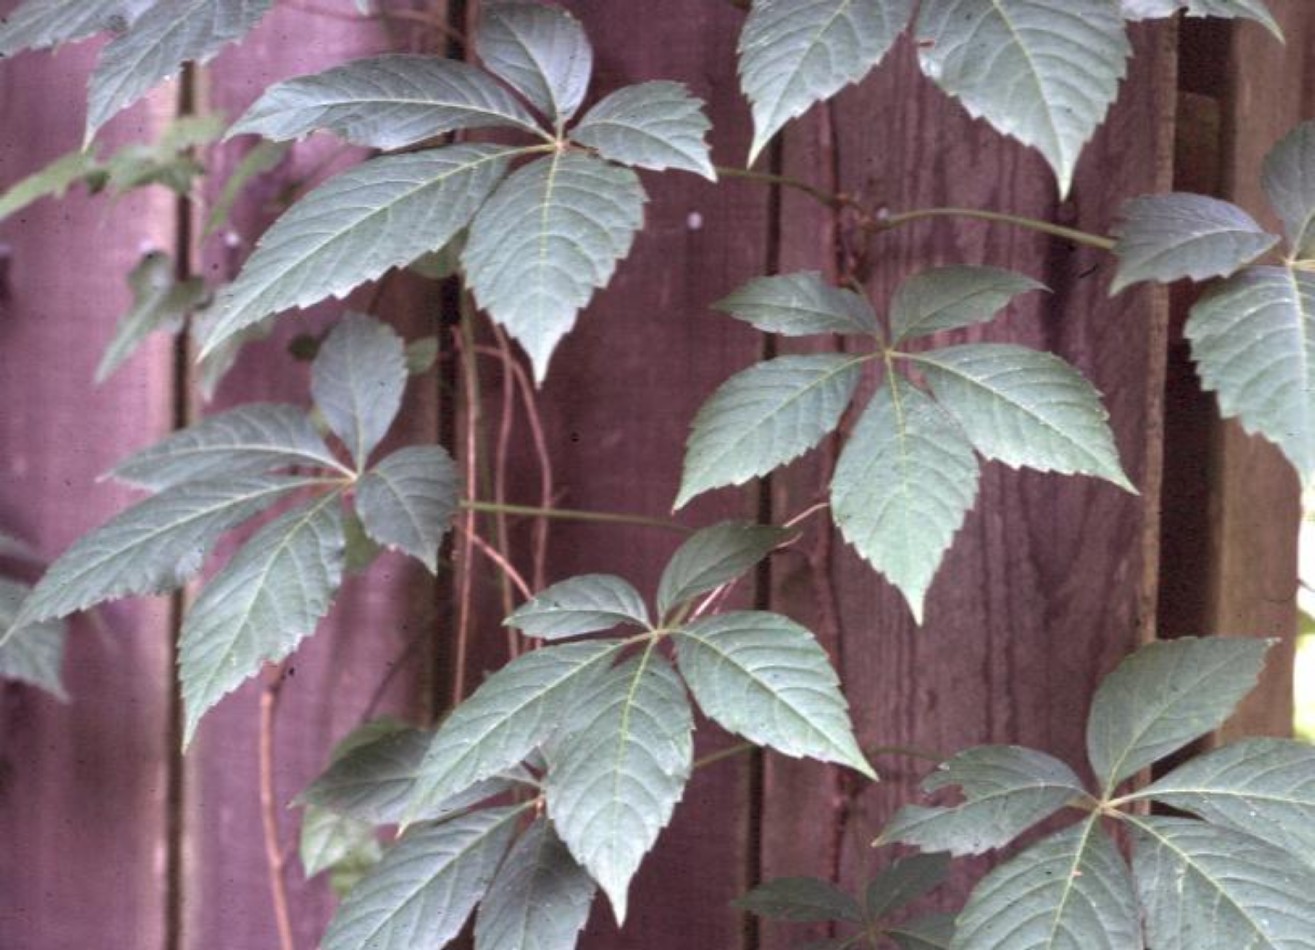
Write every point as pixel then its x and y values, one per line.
pixel 584 604
pixel 163 38
pixel 52 181
pixel 265 601
pixel 1006 790
pixel 1044 73
pixel 408 499
pixel 425 887
pixel 381 214
pixel 803 900
pixel 357 381
pixel 1164 696
pixel 1079 895
pixel 947 298
pixel 764 677
pixel 714 556
pixel 618 768
pixel 385 102
pixel 1209 888
pixel 799 305
pixel 903 882
pixel 159 302
pixel 41 24
pixel 656 125
pixel 35 653
pixel 794 53
pixel 542 51
pixel 903 486
pixel 1229 9
pixel 1168 237
pixel 547 239
pixel 1289 180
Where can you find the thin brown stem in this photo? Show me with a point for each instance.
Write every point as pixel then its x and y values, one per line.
pixel 728 752
pixel 1085 238
pixel 576 514
pixel 465 572
pixel 498 558
pixel 825 198
pixel 274 856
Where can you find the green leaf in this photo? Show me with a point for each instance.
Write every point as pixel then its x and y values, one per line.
pixel 947 298
pixel 1289 180
pixel 766 416
pixel 1262 787
pixel 764 677
pixel 714 556
pixel 794 53
pixel 1168 237
pixel 1210 888
pixel 263 157
pixel 250 439
pixel 1025 408
pixel 167 161
pixel 1041 72
pixel 215 364
pixel 1164 696
pixel 41 24
pixel 265 601
pixel 1228 9
pixel 329 839
pixel 33 654
pixel 584 604
pixel 51 181
pixel 618 768
pixel 656 125
pixel 159 302
pixel 1070 890
pixel 803 900
pixel 152 547
pixel 547 239
pixel 423 890
pixel 421 355
pixel 932 932
pixel 512 713
pixel 540 898
pixel 381 214
pixel 903 486
pixel 799 305
pixel 161 39
pixel 407 501
pixel 385 102
pixel 1253 340
pixel 1006 790
pixel 357 381
pixel 542 51
pixel 903 882
pixel 16 548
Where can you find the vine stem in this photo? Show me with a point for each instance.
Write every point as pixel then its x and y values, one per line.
pixel 573 514
pixel 274 856
pixel 498 558
pixel 1085 238
pixel 767 178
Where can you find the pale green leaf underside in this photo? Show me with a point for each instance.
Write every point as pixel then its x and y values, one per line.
pixel 766 416
pixel 903 882
pixel 903 486
pixel 1042 72
pixel 1209 888
pixel 357 381
pixel 766 678
pixel 1168 237
pixel 160 41
pixel 799 305
pixel 381 214
pixel 1164 696
pixel 1071 891
pixel 264 602
pixel 1289 180
pixel 51 181
pixel 584 604
pixel 619 768
pixel 407 501
pixel 1227 9
pixel 794 53
pixel 385 102
pixel 947 298
pixel 713 556
pixel 802 900
pixel 160 302
pixel 250 439
pixel 656 125
pixel 1026 408
pixel 1253 340
pixel 548 238
pixel 328 839
pixel 542 51
pixel 41 24
pixel 34 654
pixel 423 890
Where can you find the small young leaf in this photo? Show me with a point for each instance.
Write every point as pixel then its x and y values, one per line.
pixel 799 305
pixel 265 601
pixel 764 677
pixel 903 486
pixel 1289 180
pixel 41 24
pixel 381 214
pixel 52 181
pixel 547 239
pixel 407 501
pixel 1069 890
pixel 932 932
pixel 1164 696
pixel 618 768
pixel 421 354
pixel 159 302
pixel 540 898
pixel 1168 237
pixel 766 416
pixel 263 157
pixel 903 882
pixel 35 653
pixel 167 161
pixel 1025 408
pixel 1041 72
pixel 1006 790
pixel 584 604
pixel 542 51
pixel 213 366
pixel 794 53
pixel 385 102
pixel 712 557
pixel 425 887
pixel 357 381
pixel 328 839
pixel 804 900
pixel 1228 9
pixel 947 298
pixel 656 125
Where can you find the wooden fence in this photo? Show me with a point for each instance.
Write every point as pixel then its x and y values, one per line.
pixel 112 840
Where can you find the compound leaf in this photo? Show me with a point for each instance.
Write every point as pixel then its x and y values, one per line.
pixel 357 381
pixel 947 298
pixel 714 556
pixel 1227 9
pixel 33 654
pixel 41 24
pixel 159 302
pixel 584 604
pixel 903 882
pixel 656 125
pixel 803 900
pixel 542 51
pixel 407 501
pixel 799 305
pixel 1289 180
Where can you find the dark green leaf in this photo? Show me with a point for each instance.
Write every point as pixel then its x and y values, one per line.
pixel 903 882
pixel 41 24
pixel 329 839
pixel 159 302
pixel 801 899
pixel 263 157
pixel 407 501
pixel 947 298
pixel 799 305
pixel 542 51
pixel 712 557
pixel 357 381
pixel 33 654
pixel 583 604
pixel 51 181
pixel 656 125
pixel 933 932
